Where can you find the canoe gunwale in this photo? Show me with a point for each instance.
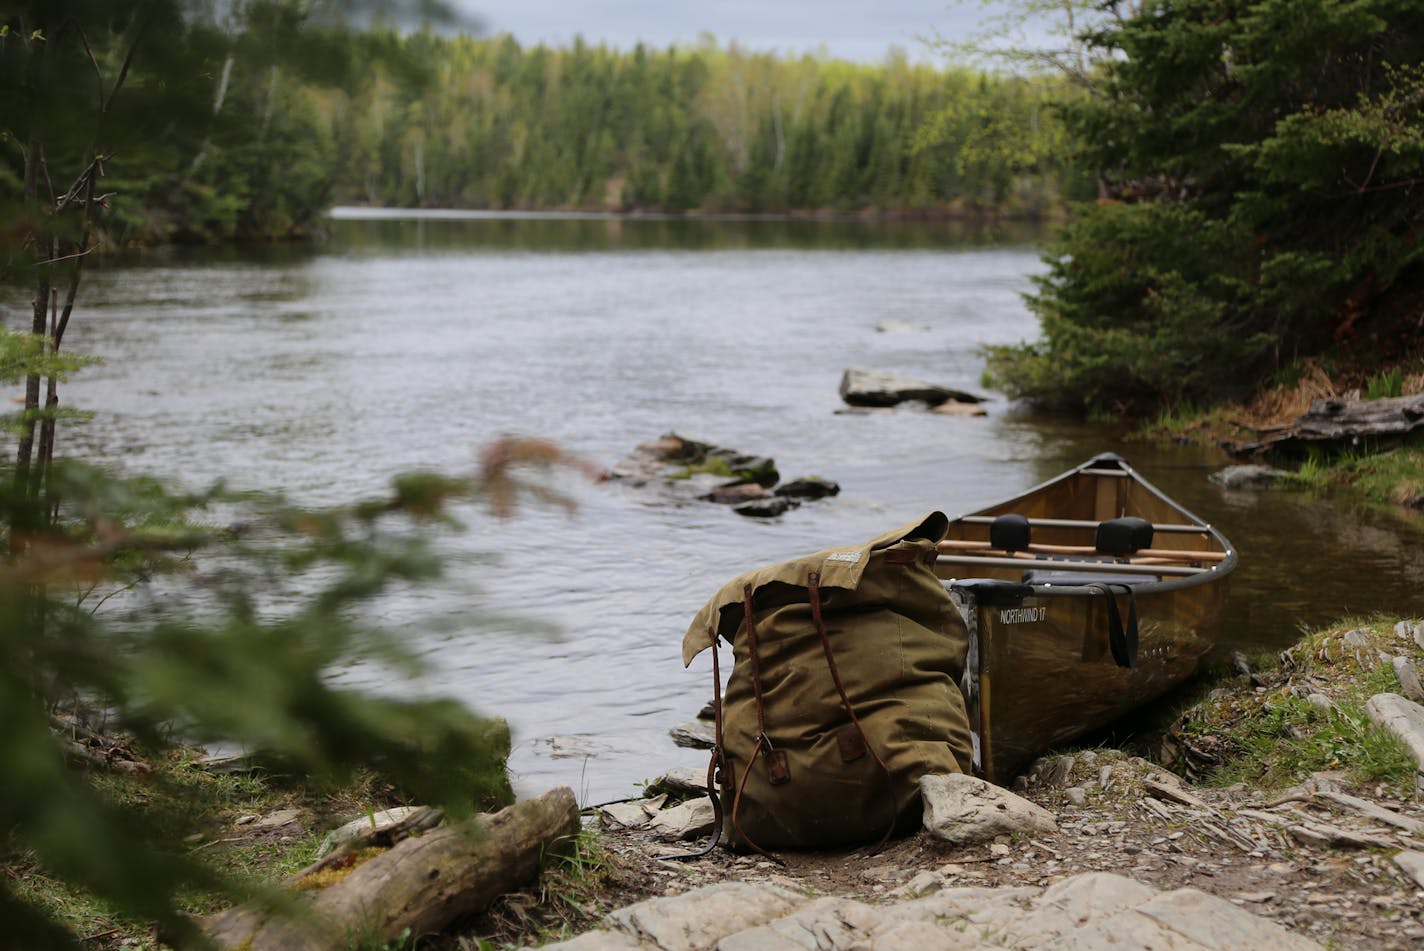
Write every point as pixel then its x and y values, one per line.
pixel 1093 467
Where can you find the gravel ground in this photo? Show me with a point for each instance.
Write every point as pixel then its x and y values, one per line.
pixel 1308 858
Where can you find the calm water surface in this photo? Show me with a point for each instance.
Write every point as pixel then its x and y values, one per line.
pixel 409 342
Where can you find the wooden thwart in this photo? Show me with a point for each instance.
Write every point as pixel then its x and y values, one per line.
pixel 1110 567
pixel 1185 529
pixel 1170 554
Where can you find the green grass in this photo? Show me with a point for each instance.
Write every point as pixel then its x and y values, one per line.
pixel 1385 385
pixel 1395 476
pixel 1274 737
pixel 1183 422
pixel 196 811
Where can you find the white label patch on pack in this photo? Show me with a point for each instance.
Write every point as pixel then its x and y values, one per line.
pixel 850 556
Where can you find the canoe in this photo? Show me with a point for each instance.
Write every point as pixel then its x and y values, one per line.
pixel 1085 597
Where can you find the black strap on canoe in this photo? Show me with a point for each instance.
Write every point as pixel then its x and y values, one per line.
pixel 1121 638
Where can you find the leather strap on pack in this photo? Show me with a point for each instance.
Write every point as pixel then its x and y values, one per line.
pixel 813 585
pixel 775 757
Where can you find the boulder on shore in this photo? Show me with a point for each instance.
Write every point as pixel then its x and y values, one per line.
pixel 875 388
pixel 966 810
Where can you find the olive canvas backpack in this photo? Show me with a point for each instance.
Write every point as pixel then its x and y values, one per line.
pixel 844 691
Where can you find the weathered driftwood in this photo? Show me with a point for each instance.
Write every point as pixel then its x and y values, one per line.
pixel 1312 831
pixel 1373 810
pixel 418 887
pixel 1346 422
pixel 1164 790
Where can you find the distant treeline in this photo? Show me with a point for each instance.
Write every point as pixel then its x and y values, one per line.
pixel 488 124
pixel 251 128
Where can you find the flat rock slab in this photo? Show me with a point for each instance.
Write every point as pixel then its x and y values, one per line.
pixel 1408 676
pixel 1414 630
pixel 687 820
pixel 965 810
pixel 1097 910
pixel 874 388
pixel 1402 717
pixel 1413 864
pixel 695 735
pixel 688 922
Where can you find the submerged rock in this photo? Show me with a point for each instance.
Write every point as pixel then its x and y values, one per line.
pixel 895 325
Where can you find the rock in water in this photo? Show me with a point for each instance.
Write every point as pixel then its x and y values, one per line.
pixel 873 388
pixel 1240 478
pixel 956 408
pixel 735 494
pixel 695 735
pixel 767 508
pixel 810 487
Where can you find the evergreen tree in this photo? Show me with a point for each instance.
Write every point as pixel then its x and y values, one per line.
pixel 1262 165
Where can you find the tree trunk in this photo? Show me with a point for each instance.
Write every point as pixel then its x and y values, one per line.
pixel 418 887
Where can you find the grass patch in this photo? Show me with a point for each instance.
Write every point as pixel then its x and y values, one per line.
pixel 1395 476
pixel 1183 423
pixel 201 813
pixel 1304 715
pixel 1385 385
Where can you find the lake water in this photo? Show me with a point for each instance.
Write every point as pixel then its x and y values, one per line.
pixel 408 342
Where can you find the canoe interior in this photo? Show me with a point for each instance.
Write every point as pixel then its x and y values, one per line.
pixel 1041 671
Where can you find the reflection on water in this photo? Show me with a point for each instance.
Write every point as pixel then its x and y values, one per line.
pixel 574 232
pixel 403 344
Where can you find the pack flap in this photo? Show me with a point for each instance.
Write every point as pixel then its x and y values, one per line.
pixel 839 568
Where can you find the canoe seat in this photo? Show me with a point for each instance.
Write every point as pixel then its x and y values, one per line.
pixel 1042 576
pixel 1009 533
pixel 1123 536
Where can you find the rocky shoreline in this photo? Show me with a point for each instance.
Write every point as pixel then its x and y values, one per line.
pixel 1310 862
pixel 1273 850
pixel 1138 856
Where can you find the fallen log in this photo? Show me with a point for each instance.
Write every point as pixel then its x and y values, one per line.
pixel 1342 423
pixel 417 887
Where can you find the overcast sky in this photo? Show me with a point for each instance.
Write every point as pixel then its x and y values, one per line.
pixel 845 29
